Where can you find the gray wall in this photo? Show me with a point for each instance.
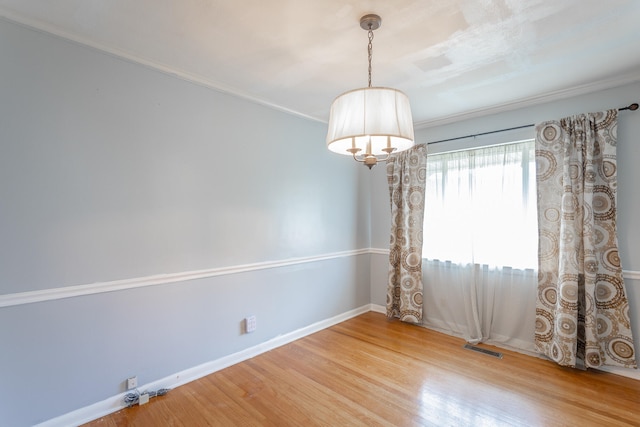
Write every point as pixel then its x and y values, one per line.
pixel 110 170
pixel 628 176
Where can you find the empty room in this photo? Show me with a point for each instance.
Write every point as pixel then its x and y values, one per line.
pixel 319 213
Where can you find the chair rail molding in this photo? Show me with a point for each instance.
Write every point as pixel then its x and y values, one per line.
pixel 29 297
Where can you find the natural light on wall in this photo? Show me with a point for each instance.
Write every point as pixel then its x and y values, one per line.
pixel 481 207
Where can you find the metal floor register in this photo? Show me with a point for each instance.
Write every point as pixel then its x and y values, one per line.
pixel 483 350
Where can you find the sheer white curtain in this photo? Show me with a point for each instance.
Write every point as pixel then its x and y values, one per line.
pixel 480 244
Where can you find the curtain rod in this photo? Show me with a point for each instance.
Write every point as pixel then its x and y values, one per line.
pixel 632 107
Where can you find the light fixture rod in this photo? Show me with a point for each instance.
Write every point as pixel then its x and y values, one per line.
pixel 370 23
pixel 370 53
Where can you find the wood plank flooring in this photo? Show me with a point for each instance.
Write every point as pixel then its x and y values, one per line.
pixel 371 371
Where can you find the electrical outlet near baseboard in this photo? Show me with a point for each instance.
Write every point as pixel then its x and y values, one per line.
pixel 132 382
pixel 250 324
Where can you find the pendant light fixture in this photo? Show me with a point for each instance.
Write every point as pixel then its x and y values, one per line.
pixel 370 123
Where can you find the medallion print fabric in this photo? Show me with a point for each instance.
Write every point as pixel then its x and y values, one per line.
pixel 407 176
pixel 582 313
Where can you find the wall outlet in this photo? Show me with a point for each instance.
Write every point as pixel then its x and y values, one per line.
pixel 132 383
pixel 250 324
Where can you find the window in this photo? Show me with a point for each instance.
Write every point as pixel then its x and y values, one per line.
pixel 481 206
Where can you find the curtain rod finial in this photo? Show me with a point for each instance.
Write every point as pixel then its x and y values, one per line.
pixel 632 107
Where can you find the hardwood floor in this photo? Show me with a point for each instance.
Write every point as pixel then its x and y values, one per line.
pixel 371 371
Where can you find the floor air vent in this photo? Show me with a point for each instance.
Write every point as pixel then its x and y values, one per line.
pixel 483 351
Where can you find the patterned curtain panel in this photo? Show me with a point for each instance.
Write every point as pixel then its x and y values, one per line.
pixel 407 175
pixel 582 314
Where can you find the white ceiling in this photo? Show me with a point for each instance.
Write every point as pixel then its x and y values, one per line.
pixel 453 58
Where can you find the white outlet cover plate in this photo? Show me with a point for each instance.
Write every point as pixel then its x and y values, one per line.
pixel 250 323
pixel 132 383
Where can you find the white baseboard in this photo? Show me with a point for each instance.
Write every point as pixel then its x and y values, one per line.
pixel 379 308
pixel 115 403
pixel 624 372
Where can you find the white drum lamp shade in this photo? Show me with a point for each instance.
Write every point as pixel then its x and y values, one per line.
pixel 375 120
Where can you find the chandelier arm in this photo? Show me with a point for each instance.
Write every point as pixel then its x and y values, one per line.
pixel 361 157
pixel 355 157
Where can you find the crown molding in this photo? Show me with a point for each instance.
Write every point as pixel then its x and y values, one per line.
pixel 43 27
pixel 557 95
